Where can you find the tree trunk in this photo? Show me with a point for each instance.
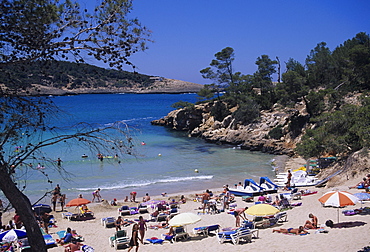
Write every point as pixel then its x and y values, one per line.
pixel 23 207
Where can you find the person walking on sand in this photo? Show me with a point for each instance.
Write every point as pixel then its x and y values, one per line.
pixel 142 228
pixel 96 194
pixel 134 238
pixel 311 224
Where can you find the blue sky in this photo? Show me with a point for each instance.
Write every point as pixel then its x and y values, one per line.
pixel 188 33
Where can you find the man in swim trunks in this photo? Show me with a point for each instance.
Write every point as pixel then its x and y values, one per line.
pixel 295 231
pixel 239 212
pixel 205 199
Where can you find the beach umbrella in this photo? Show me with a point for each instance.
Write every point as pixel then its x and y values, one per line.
pixel 362 196
pixel 41 208
pixel 12 235
pixel 261 210
pixel 338 199
pixel 183 219
pixel 78 202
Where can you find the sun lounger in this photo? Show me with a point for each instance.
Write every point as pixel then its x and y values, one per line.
pixel 124 210
pixel 143 209
pixel 205 230
pixel 224 236
pixel 86 212
pixel 108 222
pixel 248 224
pixel 295 194
pixel 70 216
pixel 241 234
pixel 119 239
pixel 162 217
pixel 23 244
pixel 180 234
pixel 49 241
pixel 235 236
pixel 260 222
pixel 281 216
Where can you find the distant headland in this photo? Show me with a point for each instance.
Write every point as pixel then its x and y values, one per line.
pixel 68 78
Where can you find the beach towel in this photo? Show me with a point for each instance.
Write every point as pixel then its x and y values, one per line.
pixel 155 240
pixel 310 193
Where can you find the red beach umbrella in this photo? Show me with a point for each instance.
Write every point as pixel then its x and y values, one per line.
pixel 78 202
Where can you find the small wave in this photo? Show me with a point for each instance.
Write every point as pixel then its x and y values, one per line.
pixel 147 183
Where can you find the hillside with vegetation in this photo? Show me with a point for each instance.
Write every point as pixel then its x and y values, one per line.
pixel 62 77
pixel 316 109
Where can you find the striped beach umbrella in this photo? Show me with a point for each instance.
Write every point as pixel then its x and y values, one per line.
pixel 12 235
pixel 338 199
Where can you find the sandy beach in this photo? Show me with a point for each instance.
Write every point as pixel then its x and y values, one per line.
pixel 336 239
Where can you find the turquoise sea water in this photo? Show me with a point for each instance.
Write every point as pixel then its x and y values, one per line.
pixel 165 164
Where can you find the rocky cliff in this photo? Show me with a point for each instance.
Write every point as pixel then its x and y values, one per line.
pixel 199 123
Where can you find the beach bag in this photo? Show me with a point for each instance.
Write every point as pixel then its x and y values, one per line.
pixel 329 223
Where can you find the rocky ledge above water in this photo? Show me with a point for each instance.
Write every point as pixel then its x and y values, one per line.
pixel 199 123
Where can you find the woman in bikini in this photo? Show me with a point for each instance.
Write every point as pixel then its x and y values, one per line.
pixel 296 231
pixel 142 228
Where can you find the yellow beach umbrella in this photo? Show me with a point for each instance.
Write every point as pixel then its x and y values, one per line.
pixel 261 210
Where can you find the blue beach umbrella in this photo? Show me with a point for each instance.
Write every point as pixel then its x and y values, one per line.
pixel 41 208
pixel 12 235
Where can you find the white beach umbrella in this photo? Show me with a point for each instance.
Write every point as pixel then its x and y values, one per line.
pixel 183 219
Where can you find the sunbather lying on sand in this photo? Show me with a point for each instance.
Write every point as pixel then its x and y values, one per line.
pixel 296 231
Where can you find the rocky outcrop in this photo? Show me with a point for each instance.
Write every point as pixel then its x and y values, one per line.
pixel 199 123
pixel 351 168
